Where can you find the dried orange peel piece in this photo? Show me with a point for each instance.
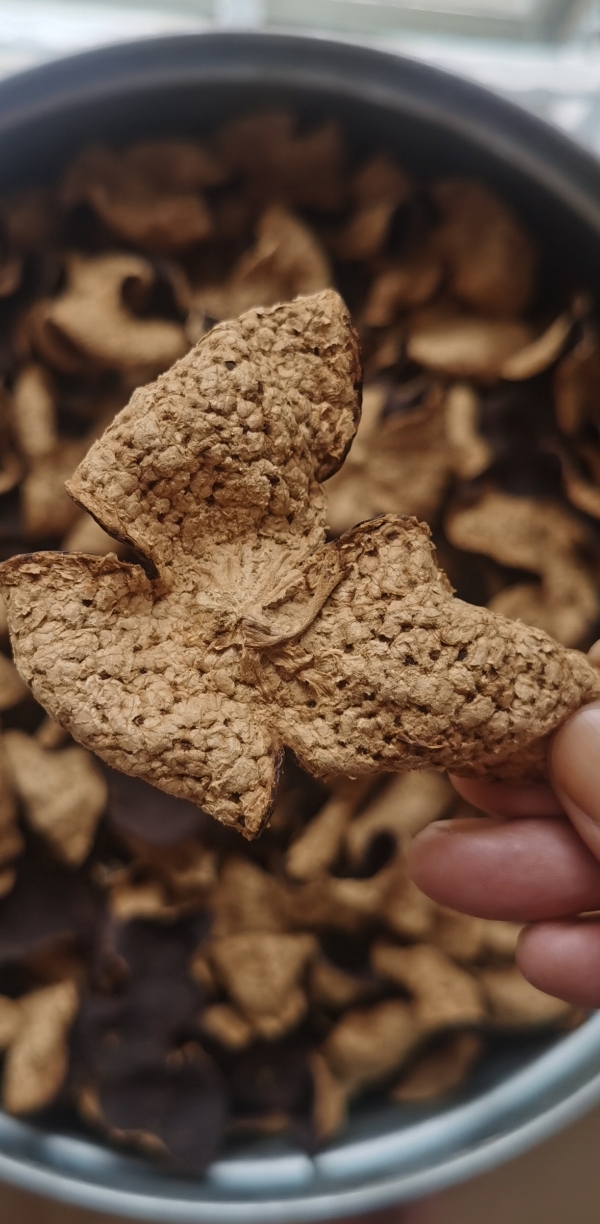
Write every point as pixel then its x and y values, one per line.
pixel 255 634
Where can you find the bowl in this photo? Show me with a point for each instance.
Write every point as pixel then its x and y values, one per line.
pixel 525 1089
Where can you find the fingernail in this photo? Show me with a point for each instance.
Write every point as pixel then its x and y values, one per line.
pixel 575 762
pixel 435 826
pixel 594 654
pixel 457 825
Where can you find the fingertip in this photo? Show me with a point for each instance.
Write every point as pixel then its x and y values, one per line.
pixel 575 751
pixel 518 870
pixel 434 846
pixel 481 794
pixel 574 762
pixel 510 802
pixel 594 654
pixel 562 958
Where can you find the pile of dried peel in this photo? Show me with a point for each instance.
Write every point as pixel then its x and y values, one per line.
pixel 151 963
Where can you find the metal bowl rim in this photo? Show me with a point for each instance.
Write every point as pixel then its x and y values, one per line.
pixel 544 1079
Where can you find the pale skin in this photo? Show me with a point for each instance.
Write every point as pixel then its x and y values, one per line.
pixel 534 858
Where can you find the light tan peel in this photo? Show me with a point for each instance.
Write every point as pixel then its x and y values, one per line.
pixel 37 1056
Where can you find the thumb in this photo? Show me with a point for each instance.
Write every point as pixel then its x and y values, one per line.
pixel 575 771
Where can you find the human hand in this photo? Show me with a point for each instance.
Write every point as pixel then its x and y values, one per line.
pixel 535 858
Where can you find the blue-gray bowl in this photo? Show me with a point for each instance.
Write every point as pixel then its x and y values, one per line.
pixel 527 1088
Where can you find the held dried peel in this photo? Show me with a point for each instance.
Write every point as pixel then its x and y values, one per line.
pixel 256 635
pixel 253 497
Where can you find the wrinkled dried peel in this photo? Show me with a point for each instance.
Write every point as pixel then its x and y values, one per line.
pixel 257 635
pixel 149 194
pixel 63 793
pixel 258 499
pixel 444 994
pixel 440 1070
pixel 37 1056
pixel 536 535
pixel 490 257
pixel 286 260
pixel 89 325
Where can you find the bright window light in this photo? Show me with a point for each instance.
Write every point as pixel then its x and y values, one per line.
pixel 477 8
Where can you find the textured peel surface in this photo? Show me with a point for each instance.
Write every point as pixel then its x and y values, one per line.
pixel 255 634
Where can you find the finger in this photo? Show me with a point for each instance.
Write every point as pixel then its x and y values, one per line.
pixel 575 772
pixel 594 654
pixel 563 959
pixel 498 799
pixel 521 870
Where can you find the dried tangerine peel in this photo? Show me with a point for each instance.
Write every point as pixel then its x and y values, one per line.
pixel 400 464
pixel 255 634
pixel 286 260
pixel 540 536
pixel 88 326
pixel 490 258
pixel 302 169
pixel 149 194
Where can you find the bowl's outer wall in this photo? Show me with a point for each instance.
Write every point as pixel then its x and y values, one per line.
pixel 439 126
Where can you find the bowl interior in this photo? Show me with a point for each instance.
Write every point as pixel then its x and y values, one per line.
pixel 522 1091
